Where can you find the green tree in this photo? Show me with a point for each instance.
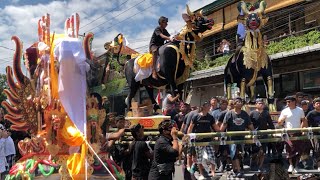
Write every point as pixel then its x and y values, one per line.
pixel 3 85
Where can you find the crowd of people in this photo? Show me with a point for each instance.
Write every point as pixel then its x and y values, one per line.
pixel 141 160
pixel 220 115
pixel 7 150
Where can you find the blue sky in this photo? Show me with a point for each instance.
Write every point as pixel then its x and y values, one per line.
pixel 136 19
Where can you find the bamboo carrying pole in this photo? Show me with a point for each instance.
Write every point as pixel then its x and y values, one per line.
pixel 236 133
pixel 246 141
pixel 259 132
pixel 274 135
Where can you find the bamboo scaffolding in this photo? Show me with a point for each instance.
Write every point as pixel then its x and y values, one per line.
pixel 236 133
pixel 258 132
pixel 246 141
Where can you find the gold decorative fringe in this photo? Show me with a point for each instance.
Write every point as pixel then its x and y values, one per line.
pixel 254 52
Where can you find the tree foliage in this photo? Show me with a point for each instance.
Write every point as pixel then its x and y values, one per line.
pixel 113 87
pixel 294 42
pixel 287 44
pixel 3 85
pixel 207 63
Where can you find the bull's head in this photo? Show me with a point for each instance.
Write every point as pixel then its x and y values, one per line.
pixel 199 22
pixel 252 16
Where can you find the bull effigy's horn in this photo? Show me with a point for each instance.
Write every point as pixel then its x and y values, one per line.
pixel 243 6
pixel 262 7
pixel 190 13
pixel 200 13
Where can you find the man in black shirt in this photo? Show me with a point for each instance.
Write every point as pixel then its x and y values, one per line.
pixel 141 154
pixel 179 118
pixel 236 120
pixel 223 153
pixel 190 151
pixel 223 104
pixel 261 120
pixel 160 34
pixel 203 122
pixel 166 151
pixel 313 118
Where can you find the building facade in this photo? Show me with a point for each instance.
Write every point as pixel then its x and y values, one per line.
pixel 294 70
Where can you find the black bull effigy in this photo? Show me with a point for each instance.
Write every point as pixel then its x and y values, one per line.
pixel 175 59
pixel 251 60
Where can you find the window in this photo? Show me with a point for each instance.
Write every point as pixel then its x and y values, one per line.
pixel 310 79
pixel 289 83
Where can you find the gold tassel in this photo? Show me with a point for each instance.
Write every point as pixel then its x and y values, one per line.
pixel 229 91
pixel 243 88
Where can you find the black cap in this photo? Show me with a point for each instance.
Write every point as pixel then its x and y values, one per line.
pixel 214 97
pixel 166 124
pixel 316 100
pixel 299 94
pixel 304 102
pixel 259 100
pixel 290 98
pixel 205 103
pixel 162 19
pixel 238 99
pixel 120 117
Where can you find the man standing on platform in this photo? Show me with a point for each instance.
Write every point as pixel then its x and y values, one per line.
pixel 313 119
pixel 261 120
pixel 293 117
pixel 203 122
pixel 214 104
pixel 236 120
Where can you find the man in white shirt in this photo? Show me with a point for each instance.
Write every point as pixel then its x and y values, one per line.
pixel 293 117
pixel 9 150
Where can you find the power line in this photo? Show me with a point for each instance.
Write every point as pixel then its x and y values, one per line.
pixel 103 30
pixel 116 16
pixel 104 14
pixel 7 48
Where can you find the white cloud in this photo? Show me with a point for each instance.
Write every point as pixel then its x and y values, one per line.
pixel 137 23
pixel 197 4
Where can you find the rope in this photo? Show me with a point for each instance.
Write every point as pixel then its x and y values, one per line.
pixel 90 147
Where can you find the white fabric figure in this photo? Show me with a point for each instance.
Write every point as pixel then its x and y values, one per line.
pixel 72 79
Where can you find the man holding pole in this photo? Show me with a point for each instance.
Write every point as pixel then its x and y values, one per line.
pixel 261 120
pixel 236 120
pixel 203 122
pixel 293 117
pixel 313 118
